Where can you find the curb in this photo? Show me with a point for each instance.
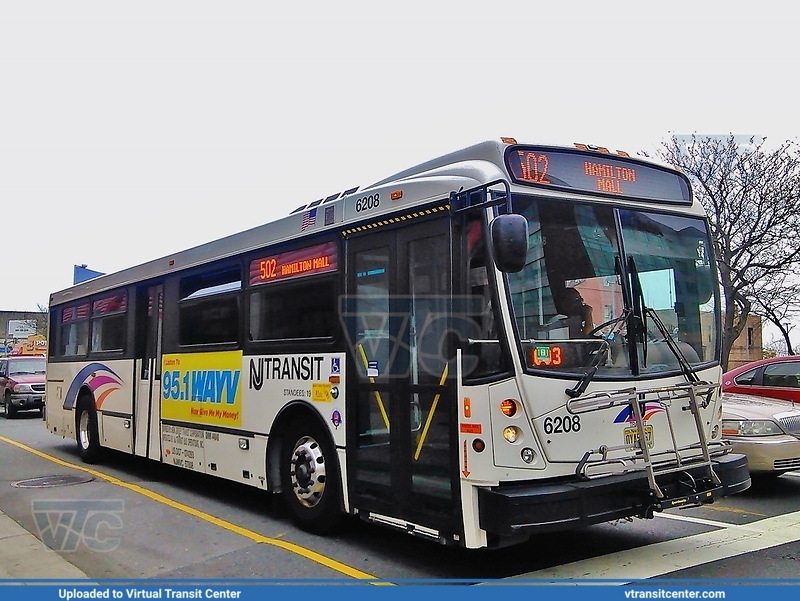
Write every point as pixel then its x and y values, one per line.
pixel 24 556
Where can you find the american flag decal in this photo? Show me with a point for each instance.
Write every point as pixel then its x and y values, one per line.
pixel 309 219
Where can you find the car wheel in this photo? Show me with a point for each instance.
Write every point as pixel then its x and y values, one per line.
pixel 310 477
pixel 86 431
pixel 11 411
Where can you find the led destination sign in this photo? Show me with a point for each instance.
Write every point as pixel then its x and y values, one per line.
pixel 306 261
pixel 595 173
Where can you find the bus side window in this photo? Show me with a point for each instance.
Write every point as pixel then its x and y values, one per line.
pixel 74 331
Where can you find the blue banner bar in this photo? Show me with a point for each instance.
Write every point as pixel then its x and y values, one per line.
pixel 255 590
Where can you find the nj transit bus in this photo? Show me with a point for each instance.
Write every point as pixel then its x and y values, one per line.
pixel 500 342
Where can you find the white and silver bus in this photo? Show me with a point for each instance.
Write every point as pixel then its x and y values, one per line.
pixel 506 340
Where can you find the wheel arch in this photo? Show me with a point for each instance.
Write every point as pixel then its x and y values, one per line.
pixel 84 393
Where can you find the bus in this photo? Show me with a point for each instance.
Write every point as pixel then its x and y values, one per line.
pixel 507 340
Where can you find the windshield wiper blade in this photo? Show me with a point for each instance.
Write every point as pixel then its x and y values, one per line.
pixel 600 355
pixel 683 362
pixel 643 311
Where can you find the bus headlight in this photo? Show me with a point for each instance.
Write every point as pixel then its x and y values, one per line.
pixel 528 455
pixel 512 434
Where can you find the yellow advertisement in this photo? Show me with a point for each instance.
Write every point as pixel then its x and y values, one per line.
pixel 34 345
pixel 202 388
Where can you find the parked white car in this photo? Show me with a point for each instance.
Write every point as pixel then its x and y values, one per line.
pixel 766 430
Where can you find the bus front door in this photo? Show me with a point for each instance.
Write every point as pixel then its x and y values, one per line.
pixel 147 405
pixel 401 430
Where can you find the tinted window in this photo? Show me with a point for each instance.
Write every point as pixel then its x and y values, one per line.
pixel 209 307
pixel 74 335
pixel 747 378
pixel 306 310
pixel 108 323
pixel 783 375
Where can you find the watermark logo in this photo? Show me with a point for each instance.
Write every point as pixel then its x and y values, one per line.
pixel 395 335
pixel 64 524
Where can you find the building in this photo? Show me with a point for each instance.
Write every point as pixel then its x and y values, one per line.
pixel 749 345
pixel 9 320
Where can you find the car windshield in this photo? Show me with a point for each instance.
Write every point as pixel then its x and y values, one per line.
pixel 590 267
pixel 23 367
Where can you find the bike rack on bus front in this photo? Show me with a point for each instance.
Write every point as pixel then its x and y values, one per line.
pixel 635 398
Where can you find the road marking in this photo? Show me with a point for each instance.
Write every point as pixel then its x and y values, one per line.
pixel 728 509
pixel 693 520
pixel 687 552
pixel 254 536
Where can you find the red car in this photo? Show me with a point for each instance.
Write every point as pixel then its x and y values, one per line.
pixel 776 377
pixel 22 383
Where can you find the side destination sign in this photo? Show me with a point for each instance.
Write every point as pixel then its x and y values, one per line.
pixel 321 258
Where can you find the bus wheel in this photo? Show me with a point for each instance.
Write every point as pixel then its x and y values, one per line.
pixel 86 431
pixel 310 478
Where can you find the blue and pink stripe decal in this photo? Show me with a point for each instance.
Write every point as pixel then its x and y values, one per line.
pixel 99 378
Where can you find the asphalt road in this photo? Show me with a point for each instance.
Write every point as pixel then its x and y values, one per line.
pixel 168 523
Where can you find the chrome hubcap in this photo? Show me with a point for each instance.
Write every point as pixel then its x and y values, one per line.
pixel 83 430
pixel 307 471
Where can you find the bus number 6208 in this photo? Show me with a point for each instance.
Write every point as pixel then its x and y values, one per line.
pixel 562 425
pixel 372 201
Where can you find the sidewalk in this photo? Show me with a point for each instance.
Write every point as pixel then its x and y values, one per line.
pixel 23 556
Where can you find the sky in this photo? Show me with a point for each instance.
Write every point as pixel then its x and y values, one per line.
pixel 132 130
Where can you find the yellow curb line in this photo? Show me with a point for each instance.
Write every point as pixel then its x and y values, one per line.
pixel 254 536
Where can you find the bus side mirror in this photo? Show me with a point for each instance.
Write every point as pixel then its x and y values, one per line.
pixel 510 242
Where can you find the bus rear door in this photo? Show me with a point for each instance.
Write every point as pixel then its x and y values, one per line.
pixel 147 407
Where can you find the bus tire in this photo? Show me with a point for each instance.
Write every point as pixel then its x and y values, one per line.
pixel 86 431
pixel 310 477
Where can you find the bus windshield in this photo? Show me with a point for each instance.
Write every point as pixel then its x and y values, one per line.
pixel 590 267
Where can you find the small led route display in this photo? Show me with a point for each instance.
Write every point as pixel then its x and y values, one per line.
pixel 313 260
pixel 595 173
pixel 547 355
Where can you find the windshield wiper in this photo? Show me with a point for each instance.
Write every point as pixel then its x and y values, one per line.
pixel 600 355
pixel 643 311
pixel 686 367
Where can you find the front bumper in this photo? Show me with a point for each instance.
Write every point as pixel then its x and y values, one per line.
pixel 27 401
pixel 530 508
pixel 769 454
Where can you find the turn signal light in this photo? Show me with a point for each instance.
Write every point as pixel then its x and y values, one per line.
pixel 508 408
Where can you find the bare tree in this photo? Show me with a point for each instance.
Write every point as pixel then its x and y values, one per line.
pixel 752 197
pixel 778 301
pixel 41 320
pixel 774 347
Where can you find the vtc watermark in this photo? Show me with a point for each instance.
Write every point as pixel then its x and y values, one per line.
pixel 64 524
